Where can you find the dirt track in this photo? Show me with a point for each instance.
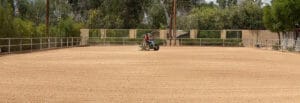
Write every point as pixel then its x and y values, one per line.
pixel 172 75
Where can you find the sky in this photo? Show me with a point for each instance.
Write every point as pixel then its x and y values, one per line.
pixel 265 1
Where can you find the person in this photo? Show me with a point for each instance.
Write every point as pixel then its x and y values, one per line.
pixel 148 38
pixel 151 40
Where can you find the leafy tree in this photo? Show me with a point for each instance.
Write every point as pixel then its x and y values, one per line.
pixel 222 3
pixel 252 15
pixel 207 18
pixel 24 9
pixel 23 28
pixel 40 31
pixel 6 20
pixel 37 11
pixel 282 16
pixel 69 28
pixel 226 3
pixel 270 22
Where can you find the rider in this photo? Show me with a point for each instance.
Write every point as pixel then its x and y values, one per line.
pixel 149 39
pixel 146 38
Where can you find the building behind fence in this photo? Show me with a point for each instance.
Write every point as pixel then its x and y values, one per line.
pixel 223 38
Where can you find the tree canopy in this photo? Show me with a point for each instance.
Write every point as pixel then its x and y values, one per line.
pixel 26 17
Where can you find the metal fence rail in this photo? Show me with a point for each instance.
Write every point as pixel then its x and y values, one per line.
pixel 210 42
pixel 274 44
pixel 15 45
pixel 180 42
pixel 109 41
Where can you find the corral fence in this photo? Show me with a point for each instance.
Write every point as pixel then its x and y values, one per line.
pixel 110 41
pixel 210 42
pixel 274 44
pixel 180 42
pixel 17 45
pixel 20 45
pixel 270 44
pixel 109 37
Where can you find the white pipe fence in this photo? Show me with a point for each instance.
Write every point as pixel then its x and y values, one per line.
pixel 15 45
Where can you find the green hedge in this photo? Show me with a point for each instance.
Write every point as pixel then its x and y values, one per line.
pixel 94 33
pixel 234 34
pixel 209 34
pixel 117 33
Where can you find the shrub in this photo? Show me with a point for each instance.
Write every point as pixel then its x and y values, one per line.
pixel 117 33
pixel 291 49
pixel 276 46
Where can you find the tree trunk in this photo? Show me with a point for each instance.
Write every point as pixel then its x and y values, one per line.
pixel 285 40
pixel 296 37
pixel 279 38
pixel 166 11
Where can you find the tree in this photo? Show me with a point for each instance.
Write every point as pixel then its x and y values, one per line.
pixel 37 14
pixel 222 3
pixel 128 13
pixel 24 9
pixel 282 17
pixel 69 28
pixel 270 22
pixel 60 10
pixel 226 3
pixel 157 17
pixel 23 28
pixel 206 18
pixel 6 20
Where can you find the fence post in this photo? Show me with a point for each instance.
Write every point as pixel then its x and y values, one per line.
pixel 67 42
pixel 104 42
pixel 75 42
pixel 72 41
pixel 31 44
pixel 41 46
pixel 123 41
pixel 223 42
pixel 21 44
pixel 55 42
pixel 9 45
pixel 49 43
pixel 61 42
pixel 200 42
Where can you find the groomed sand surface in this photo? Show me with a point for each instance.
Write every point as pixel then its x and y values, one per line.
pixel 123 74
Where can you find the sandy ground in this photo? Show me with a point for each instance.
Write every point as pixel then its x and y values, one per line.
pixel 172 75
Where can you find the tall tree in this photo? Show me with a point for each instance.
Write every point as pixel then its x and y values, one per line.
pixel 271 23
pixel 283 17
pixel 6 20
pixel 226 3
pixel 222 3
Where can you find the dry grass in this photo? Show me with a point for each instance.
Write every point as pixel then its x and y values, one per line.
pixel 172 75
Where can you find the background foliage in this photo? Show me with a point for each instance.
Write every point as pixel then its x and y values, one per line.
pixel 26 18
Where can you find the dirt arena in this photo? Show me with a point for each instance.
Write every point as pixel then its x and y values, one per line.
pixel 172 75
